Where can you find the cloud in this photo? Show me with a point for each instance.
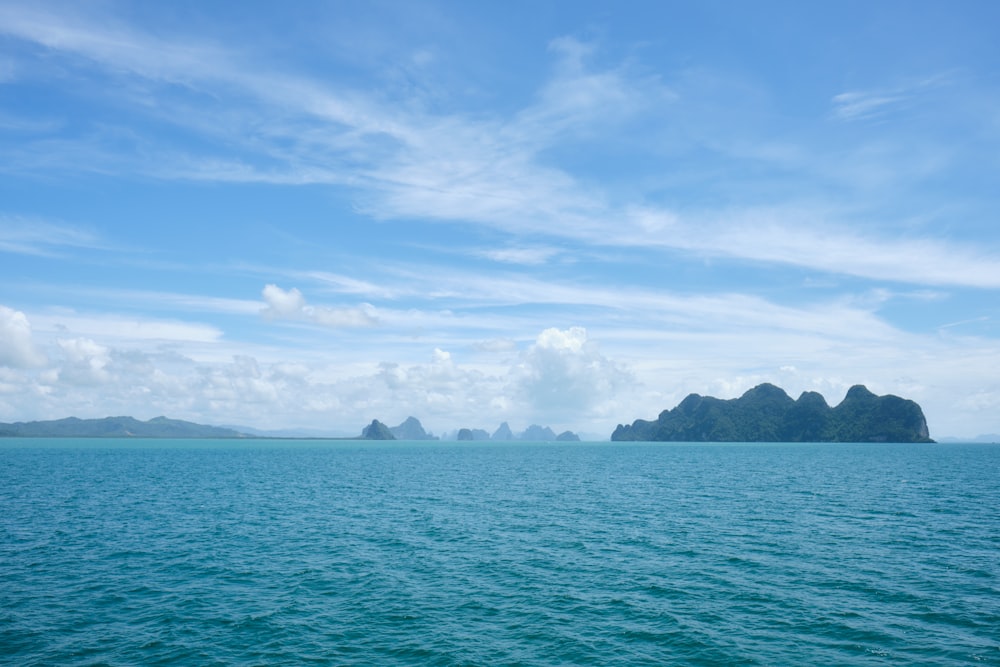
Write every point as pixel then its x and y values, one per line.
pixel 291 305
pixel 525 255
pixel 17 345
pixel 30 236
pixel 563 374
pixel 125 329
pixel 817 240
pixel 855 105
pixel 495 345
pixel 495 170
pixel 111 43
pixel 282 303
pixel 84 362
pixel 222 387
pixel 580 98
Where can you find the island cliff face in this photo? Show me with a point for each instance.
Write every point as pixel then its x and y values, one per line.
pixel 411 429
pixel 767 414
pixel 376 431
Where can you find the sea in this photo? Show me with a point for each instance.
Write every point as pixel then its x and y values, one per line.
pixel 259 552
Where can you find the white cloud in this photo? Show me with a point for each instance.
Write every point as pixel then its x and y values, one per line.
pixel 30 236
pixel 282 303
pixel 291 305
pixel 856 105
pixel 347 285
pixel 526 255
pixel 495 345
pixel 122 329
pixel 564 374
pixel 110 43
pixel 816 240
pixel 17 345
pixel 84 362
pixel 188 302
pixel 868 104
pixel 490 170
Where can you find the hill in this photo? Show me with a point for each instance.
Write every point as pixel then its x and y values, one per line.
pixel 115 427
pixel 767 414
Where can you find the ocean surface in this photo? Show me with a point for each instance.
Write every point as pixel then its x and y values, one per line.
pixel 345 553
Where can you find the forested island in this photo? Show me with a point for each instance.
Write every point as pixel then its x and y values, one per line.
pixel 767 414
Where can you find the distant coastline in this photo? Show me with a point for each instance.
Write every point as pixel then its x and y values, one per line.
pixel 763 414
pixel 164 427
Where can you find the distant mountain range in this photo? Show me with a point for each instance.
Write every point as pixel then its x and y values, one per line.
pixel 767 414
pixel 986 438
pixel 116 427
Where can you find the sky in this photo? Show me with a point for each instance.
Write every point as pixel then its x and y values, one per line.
pixel 315 214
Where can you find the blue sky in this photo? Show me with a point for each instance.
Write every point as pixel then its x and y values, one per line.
pixel 317 214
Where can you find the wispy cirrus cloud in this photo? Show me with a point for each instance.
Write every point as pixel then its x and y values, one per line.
pixel 857 105
pixel 32 236
pixel 530 255
pixel 869 104
pixel 819 240
pixel 487 169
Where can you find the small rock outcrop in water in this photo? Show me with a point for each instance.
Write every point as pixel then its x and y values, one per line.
pixel 377 431
pixel 767 414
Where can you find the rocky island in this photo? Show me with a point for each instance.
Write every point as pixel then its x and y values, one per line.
pixel 767 414
pixel 533 433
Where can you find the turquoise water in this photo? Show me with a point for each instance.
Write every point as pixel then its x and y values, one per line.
pixel 327 553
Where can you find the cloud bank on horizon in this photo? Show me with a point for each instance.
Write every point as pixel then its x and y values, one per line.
pixel 320 214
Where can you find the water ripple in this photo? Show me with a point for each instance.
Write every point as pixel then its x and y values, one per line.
pixel 327 553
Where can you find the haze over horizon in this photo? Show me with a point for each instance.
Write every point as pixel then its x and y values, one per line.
pixel 318 214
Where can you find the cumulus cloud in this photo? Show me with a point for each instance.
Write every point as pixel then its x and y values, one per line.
pixel 84 362
pixel 291 305
pixel 563 372
pixel 282 303
pixel 17 345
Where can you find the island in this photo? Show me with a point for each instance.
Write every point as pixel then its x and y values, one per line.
pixel 767 414
pixel 411 429
pixel 376 431
pixel 533 433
